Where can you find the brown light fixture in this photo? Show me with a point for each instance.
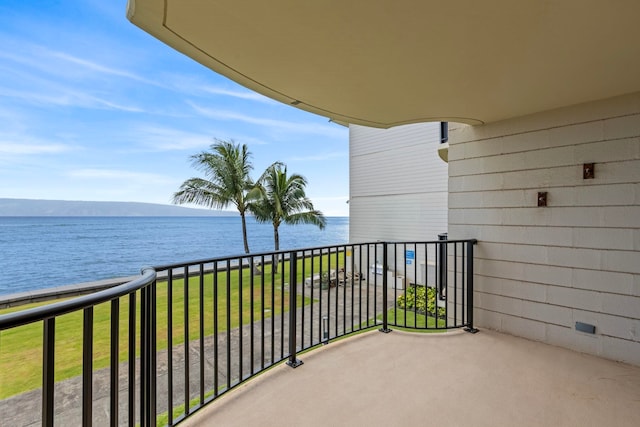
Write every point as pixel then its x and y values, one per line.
pixel 588 171
pixel 542 198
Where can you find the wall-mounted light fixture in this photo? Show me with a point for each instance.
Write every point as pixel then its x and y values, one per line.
pixel 588 171
pixel 542 198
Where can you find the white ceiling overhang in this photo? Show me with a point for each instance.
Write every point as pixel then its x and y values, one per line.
pixel 384 63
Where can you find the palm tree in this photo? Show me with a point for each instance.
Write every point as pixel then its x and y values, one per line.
pixel 282 199
pixel 227 181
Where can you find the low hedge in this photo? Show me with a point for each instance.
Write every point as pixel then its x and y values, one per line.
pixel 422 299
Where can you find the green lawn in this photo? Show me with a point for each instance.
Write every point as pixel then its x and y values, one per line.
pixel 21 348
pixel 396 318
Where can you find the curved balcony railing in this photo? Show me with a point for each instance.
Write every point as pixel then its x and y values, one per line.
pixel 181 335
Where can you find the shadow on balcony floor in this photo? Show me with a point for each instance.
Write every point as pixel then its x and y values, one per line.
pixel 487 379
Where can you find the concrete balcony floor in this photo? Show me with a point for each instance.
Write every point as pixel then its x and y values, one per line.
pixel 452 379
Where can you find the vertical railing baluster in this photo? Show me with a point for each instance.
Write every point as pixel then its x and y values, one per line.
pixel 344 283
pixel 470 328
pixel 281 270
pixel 375 278
pixel 304 272
pixel 415 275
pixel 262 296
pixel 385 320
pixel 87 366
pixel 293 296
pixel 251 314
pixel 170 344
pixel 144 358
pixel 443 268
pixel 440 274
pixel 273 310
pixel 395 293
pixel 335 302
pixel 48 370
pixel 153 347
pixel 228 318
pixel 240 324
pixel 353 278
pixel 360 275
pixel 215 329
pixel 186 340
pixel 455 282
pixel 114 359
pixel 201 308
pixel 313 255
pixel 344 295
pixel 132 359
pixel 455 290
pixel 328 331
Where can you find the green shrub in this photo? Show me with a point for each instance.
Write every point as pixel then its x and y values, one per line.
pixel 421 299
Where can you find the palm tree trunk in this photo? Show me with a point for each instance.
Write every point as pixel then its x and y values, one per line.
pixel 276 242
pixel 244 233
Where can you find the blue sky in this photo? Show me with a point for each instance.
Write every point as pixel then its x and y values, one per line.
pixel 93 108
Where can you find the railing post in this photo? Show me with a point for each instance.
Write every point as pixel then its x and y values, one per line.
pixel 153 318
pixel 87 367
pixel 442 265
pixel 147 356
pixel 293 299
pixel 470 245
pixel 385 320
pixel 48 369
pixel 144 358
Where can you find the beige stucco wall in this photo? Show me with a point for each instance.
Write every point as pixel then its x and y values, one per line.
pixel 541 269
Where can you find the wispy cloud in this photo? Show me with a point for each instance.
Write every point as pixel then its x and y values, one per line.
pixel 118 175
pixel 53 62
pixel 244 94
pixel 320 157
pixel 22 148
pixel 330 198
pixel 102 69
pixel 159 138
pixel 197 87
pixel 67 98
pixel 281 125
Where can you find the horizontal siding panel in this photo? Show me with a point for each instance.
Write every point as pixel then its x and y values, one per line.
pixel 623 350
pixel 574 298
pixel 568 337
pixel 600 152
pixel 397 172
pixel 365 140
pixel 595 195
pixel 511 288
pixel 600 217
pixel 558 236
pixel 548 313
pixel 400 217
pixel 609 110
pixel 622 127
pixel 613 282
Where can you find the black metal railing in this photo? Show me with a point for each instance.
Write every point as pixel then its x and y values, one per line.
pixel 193 331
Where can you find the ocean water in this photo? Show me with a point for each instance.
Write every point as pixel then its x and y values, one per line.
pixel 43 252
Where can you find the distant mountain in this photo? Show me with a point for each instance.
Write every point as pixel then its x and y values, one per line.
pixel 28 207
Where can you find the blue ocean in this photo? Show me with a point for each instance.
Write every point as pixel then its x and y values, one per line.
pixel 43 252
